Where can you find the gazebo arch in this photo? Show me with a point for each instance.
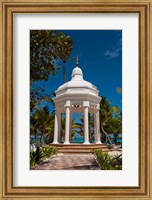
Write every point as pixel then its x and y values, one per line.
pixel 76 96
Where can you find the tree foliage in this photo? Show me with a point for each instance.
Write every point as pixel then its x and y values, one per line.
pixel 42 122
pixel 119 90
pixel 78 126
pixel 46 49
pixel 110 120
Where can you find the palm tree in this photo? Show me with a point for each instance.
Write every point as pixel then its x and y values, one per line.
pixel 116 123
pixel 91 127
pixel 105 118
pixel 62 129
pixel 44 119
pixel 116 127
pixel 73 131
pixel 50 129
pixel 110 120
pixel 64 51
pixel 33 126
pixel 78 127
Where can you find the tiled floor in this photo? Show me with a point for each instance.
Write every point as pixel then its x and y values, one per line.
pixel 70 162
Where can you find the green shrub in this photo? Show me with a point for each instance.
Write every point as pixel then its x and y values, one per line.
pixel 46 152
pixel 33 159
pixel 38 156
pixel 107 162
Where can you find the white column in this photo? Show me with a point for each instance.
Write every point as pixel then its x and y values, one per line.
pixel 59 127
pixel 70 129
pixel 86 126
pixel 67 122
pixel 55 141
pixel 95 131
pixel 97 128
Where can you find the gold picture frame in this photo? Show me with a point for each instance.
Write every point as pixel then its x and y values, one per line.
pixel 143 8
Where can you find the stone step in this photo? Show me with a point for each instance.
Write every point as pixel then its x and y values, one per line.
pixel 72 151
pixel 80 148
pixel 72 147
pixel 78 145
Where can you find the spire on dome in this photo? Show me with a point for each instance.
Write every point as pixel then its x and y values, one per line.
pixel 77 72
pixel 77 62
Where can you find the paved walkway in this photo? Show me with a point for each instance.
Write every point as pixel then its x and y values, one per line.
pixel 70 162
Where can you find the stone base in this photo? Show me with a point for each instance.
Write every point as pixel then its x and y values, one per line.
pixel 98 142
pixel 86 143
pixel 55 142
pixel 66 143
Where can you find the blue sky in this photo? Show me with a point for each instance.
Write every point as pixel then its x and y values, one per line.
pixel 100 58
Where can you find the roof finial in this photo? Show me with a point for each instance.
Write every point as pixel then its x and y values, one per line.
pixel 77 62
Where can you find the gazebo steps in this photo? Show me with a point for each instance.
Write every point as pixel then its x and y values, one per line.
pixel 78 144
pixel 80 148
pixel 72 147
pixel 79 151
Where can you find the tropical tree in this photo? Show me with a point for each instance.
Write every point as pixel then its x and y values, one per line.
pixel 72 131
pixel 110 120
pixel 33 126
pixel 119 90
pixel 38 96
pixel 79 128
pixel 64 49
pixel 50 129
pixel 46 48
pixel 116 128
pixel 105 118
pixel 62 128
pixel 116 123
pixel 43 119
pixel 91 127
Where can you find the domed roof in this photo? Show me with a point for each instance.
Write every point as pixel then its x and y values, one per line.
pixel 77 85
pixel 77 71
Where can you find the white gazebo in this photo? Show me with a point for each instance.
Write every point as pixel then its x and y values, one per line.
pixel 76 96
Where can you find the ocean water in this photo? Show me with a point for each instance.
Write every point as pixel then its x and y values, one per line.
pixel 77 140
pixel 38 139
pixel 81 140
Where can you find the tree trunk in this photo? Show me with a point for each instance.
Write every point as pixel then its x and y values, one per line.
pixel 103 134
pixel 35 133
pixel 106 134
pixel 64 73
pixel 42 137
pixel 115 139
pixel 103 137
pixel 37 159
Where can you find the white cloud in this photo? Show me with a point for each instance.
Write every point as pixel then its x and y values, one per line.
pixel 112 54
pixel 115 51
